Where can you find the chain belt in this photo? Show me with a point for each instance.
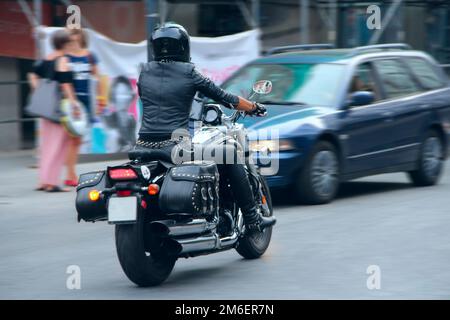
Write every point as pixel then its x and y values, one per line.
pixel 157 144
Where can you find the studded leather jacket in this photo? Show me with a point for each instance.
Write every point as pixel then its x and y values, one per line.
pixel 167 90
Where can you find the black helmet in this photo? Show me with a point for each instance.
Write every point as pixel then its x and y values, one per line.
pixel 171 41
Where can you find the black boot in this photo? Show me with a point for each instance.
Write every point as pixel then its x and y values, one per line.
pixel 254 221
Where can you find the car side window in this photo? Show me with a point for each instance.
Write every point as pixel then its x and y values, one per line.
pixel 395 79
pixel 364 80
pixel 425 73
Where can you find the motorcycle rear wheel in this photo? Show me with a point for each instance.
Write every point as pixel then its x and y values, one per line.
pixel 253 245
pixel 140 266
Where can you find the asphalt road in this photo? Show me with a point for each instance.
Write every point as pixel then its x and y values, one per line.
pixel 316 252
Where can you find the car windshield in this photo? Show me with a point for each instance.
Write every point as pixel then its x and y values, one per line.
pixel 311 84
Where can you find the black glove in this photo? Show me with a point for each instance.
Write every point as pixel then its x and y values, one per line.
pixel 259 111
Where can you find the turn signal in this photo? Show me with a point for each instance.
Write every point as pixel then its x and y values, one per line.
pixel 153 189
pixel 94 195
pixel 264 200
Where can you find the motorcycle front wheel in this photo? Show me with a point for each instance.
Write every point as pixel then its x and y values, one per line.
pixel 253 245
pixel 139 264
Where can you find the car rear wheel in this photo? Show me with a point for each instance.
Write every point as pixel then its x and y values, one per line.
pixel 318 180
pixel 430 162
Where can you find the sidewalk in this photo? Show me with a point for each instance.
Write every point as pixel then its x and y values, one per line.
pixel 27 158
pixel 19 179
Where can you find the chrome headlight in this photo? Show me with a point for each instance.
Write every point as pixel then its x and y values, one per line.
pixel 212 115
pixel 267 146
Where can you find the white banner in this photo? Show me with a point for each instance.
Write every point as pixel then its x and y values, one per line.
pixel 219 57
pixel 114 128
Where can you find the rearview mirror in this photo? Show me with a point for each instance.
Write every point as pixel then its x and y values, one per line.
pixel 360 98
pixel 262 87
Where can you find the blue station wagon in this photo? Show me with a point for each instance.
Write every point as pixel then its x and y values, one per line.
pixel 342 114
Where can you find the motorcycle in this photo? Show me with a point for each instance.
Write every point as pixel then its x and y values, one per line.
pixel 164 211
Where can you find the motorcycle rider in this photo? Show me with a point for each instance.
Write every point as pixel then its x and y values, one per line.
pixel 167 87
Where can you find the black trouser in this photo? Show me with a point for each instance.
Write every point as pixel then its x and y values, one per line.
pixel 240 184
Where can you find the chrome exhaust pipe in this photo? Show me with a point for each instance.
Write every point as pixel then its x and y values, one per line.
pixel 199 244
pixel 229 241
pixel 203 243
pixel 184 246
pixel 171 228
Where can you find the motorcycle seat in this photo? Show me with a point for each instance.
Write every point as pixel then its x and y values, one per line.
pixel 145 155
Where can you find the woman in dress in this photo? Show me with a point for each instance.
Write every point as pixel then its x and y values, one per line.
pixel 84 67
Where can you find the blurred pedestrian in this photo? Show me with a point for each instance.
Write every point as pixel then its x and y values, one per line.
pixel 84 67
pixel 54 138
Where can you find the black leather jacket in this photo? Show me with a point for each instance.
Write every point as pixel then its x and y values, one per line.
pixel 167 90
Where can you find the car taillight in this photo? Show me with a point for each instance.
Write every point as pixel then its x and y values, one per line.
pixel 122 174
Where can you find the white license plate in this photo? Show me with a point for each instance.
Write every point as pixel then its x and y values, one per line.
pixel 122 210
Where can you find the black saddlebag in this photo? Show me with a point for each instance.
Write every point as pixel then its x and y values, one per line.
pixel 192 188
pixel 91 210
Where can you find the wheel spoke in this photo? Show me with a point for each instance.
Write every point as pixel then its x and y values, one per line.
pixel 432 156
pixel 324 172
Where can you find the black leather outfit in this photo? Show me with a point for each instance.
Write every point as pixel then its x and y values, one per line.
pixel 167 90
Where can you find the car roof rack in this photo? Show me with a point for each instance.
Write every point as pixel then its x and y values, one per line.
pixel 276 50
pixel 385 46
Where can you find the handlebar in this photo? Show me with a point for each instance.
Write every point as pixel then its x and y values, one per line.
pixel 234 116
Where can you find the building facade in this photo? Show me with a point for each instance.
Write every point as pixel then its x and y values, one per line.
pixel 425 25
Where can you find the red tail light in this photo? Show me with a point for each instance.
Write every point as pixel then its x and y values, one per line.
pixel 124 193
pixel 122 174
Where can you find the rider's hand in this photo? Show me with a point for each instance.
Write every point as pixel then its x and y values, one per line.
pixel 259 110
